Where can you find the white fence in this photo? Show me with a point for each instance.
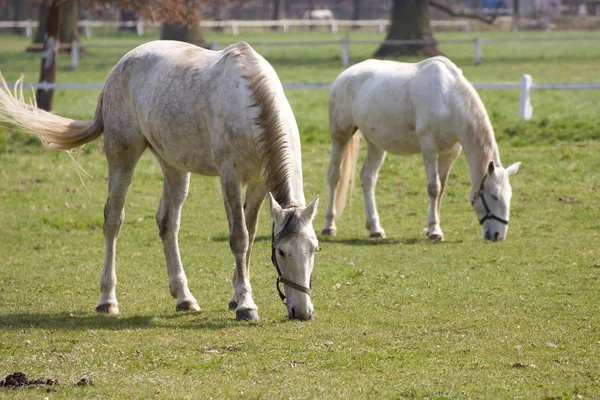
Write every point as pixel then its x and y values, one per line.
pixel 235 26
pixel 525 86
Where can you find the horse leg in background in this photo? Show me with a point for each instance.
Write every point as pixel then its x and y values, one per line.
pixel 255 194
pixel 344 149
pixel 231 186
pixel 445 161
pixel 434 190
pixel 175 189
pixel 368 177
pixel 121 164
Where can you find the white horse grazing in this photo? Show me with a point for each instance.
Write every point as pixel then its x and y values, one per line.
pixel 220 113
pixel 402 108
pixel 319 14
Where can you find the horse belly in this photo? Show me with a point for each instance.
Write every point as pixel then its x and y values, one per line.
pixel 399 139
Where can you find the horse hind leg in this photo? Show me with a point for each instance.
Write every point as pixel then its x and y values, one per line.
pixel 339 141
pixel 368 177
pixel 121 165
pixel 168 218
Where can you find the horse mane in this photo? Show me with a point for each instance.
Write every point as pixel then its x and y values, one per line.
pixel 291 225
pixel 477 123
pixel 272 140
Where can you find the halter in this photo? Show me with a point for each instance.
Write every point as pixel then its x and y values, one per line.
pixel 280 278
pixel 488 213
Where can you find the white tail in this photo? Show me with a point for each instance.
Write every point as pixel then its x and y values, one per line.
pixel 347 172
pixel 54 131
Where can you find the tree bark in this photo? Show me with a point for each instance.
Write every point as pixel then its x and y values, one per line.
pixel 515 26
pixel 410 21
pixel 69 17
pixel 191 33
pixel 355 13
pixel 48 67
pixel 275 13
pixel 18 15
pixel 127 16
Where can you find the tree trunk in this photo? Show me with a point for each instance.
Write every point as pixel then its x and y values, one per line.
pixel 275 13
pixel 515 26
pixel 18 15
pixel 355 13
pixel 69 17
pixel 184 33
pixel 127 16
pixel 48 67
pixel 410 21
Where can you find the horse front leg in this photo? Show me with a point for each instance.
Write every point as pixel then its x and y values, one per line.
pixel 168 217
pixel 255 194
pixel 231 186
pixel 368 177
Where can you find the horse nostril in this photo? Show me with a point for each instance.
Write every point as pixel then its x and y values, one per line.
pixel 293 312
pixel 496 235
pixel 488 235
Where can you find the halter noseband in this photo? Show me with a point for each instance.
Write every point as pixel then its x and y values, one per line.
pixel 280 278
pixel 488 213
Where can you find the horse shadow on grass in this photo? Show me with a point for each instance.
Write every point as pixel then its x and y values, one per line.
pixel 364 241
pixel 84 321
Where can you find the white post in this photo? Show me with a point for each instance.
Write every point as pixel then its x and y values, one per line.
pixel 286 26
pixel 74 54
pixel 88 29
pixel 139 27
pixel 381 26
pixel 334 27
pixel 234 29
pixel 477 50
pixel 345 53
pixel 468 25
pixel 525 108
pixel 28 29
pixel 214 45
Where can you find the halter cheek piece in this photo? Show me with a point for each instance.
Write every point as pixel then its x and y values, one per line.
pixel 280 278
pixel 488 213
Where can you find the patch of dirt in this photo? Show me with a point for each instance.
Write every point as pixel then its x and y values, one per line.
pixel 19 379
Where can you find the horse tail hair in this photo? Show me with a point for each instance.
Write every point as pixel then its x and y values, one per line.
pixel 55 132
pixel 347 172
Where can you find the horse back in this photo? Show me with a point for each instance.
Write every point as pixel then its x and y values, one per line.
pixel 191 105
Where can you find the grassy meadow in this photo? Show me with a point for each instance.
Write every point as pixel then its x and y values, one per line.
pixel 395 318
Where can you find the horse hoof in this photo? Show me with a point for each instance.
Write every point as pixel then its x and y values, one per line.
pixel 436 237
pixel 328 232
pixel 232 305
pixel 377 235
pixel 108 308
pixel 246 315
pixel 187 306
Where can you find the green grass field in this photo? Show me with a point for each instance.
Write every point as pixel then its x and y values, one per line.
pixel 396 318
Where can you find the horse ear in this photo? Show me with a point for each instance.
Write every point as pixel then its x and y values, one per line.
pixel 276 210
pixel 512 169
pixel 491 168
pixel 311 210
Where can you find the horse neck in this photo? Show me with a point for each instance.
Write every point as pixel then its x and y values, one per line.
pixel 480 146
pixel 287 189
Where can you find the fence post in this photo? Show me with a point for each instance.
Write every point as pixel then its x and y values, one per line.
pixel 525 108
pixel 214 45
pixel 334 27
pixel 74 54
pixel 286 26
pixel 477 50
pixel 234 29
pixel 139 27
pixel 345 53
pixel 88 28
pixel 28 29
pixel 381 26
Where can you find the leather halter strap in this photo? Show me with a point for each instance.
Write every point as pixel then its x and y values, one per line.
pixel 280 278
pixel 488 213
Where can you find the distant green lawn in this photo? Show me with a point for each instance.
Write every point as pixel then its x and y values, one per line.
pixel 396 318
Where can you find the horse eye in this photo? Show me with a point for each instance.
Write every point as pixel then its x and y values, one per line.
pixel 280 252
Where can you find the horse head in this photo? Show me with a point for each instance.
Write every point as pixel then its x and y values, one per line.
pixel 293 254
pixel 492 201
